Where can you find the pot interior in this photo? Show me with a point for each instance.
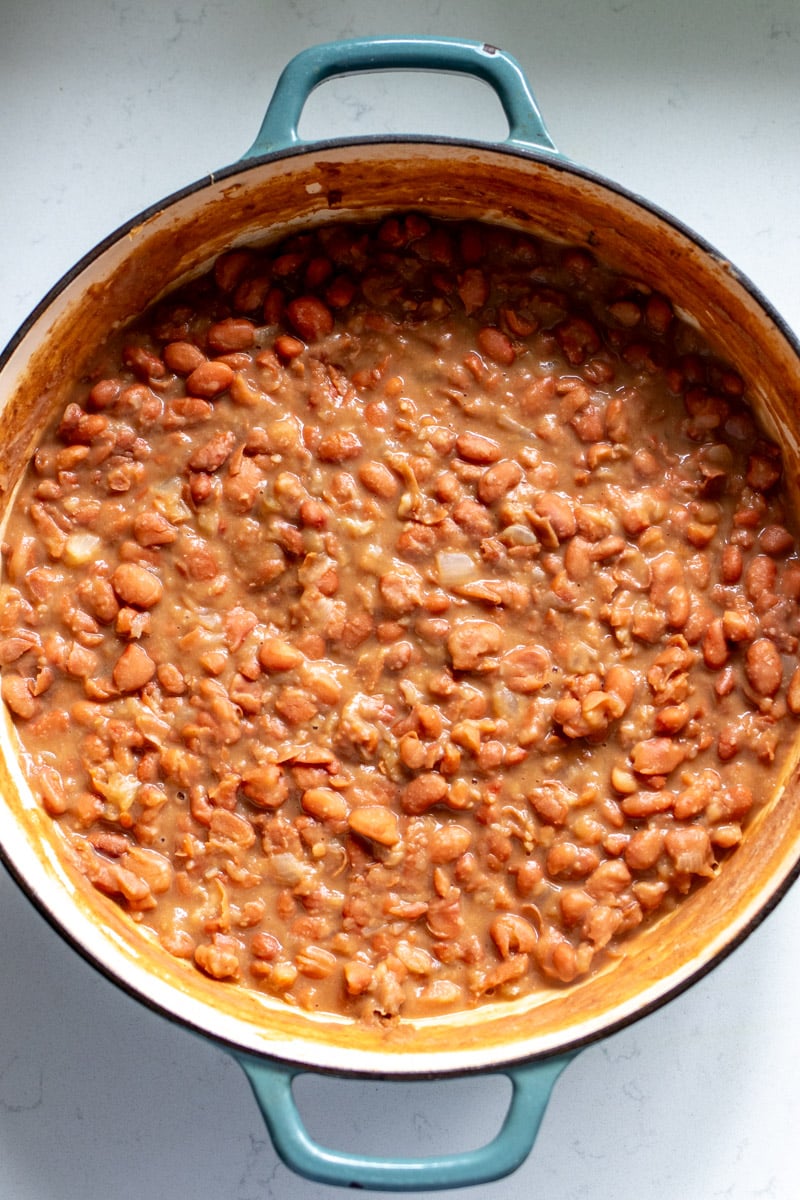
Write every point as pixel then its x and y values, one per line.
pixel 265 201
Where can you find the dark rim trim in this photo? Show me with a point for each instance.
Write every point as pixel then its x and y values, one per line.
pixel 554 162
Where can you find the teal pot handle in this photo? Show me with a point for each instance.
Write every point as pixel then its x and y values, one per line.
pixel 531 1085
pixel 318 63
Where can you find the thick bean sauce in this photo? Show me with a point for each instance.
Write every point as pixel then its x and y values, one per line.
pixel 401 616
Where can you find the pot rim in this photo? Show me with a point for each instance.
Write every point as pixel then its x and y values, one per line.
pixel 550 159
pixel 508 1055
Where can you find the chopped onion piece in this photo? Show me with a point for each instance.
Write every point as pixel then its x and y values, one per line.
pixel 455 568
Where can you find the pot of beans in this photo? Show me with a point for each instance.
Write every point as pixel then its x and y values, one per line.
pixel 400 608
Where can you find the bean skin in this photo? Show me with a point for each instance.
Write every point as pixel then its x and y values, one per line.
pixel 209 380
pixel 423 792
pixel 715 648
pixel 183 357
pixel 231 334
pixel 339 447
pixel 498 480
pixel 793 695
pixel 310 318
pixel 136 585
pixel 764 667
pixel 496 345
pixel 375 823
pixel 133 669
pixel 18 696
pixel 378 479
pixel 477 448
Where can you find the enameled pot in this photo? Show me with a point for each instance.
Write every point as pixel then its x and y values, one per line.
pixel 280 186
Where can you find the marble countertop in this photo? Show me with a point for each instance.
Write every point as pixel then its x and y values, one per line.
pixel 105 107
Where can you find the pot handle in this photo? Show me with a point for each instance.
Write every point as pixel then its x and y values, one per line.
pixel 313 66
pixel 531 1084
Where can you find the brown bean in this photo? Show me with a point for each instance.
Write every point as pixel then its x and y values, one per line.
pixel 498 481
pixel 621 681
pixel 218 959
pixel 512 934
pixel 760 576
pixel 776 540
pixel 609 879
pixel 230 267
pixel 183 357
pixel 276 654
pixel 764 667
pixel 230 829
pixel 310 317
pixel 358 977
pixel 14 648
pixel 265 786
pixel 209 380
pixel 103 394
pixel 401 590
pixel 578 559
pixel 153 529
pixel 473 644
pixel 448 843
pixel 144 363
pixel 793 694
pixel 136 585
pixel 378 479
pixel 715 648
pixel 214 453
pixel 496 345
pixel 231 334
pixel 477 448
pixel 690 850
pixel 473 289
pixel 17 694
pixel 423 792
pixel 558 511
pixel 570 861
pixel 739 626
pixel 376 823
pixel 657 756
pixel 338 447
pixel 133 669
pixel 666 574
pixel 578 339
pixel 762 472
pixel 527 669
pixel 732 563
pixel 671 719
pixel 644 849
pixel 325 804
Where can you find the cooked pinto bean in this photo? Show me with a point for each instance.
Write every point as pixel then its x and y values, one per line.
pixel 498 480
pixel 477 448
pixel 432 650
pixel 473 644
pixel 423 792
pixel 136 585
pixel 183 357
pixel 310 317
pixel 209 380
pixel 133 669
pixel 376 823
pixel 764 667
pixel 231 334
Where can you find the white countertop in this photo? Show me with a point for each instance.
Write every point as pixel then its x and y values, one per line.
pixel 106 106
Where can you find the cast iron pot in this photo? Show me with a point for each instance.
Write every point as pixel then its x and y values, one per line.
pixel 280 186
